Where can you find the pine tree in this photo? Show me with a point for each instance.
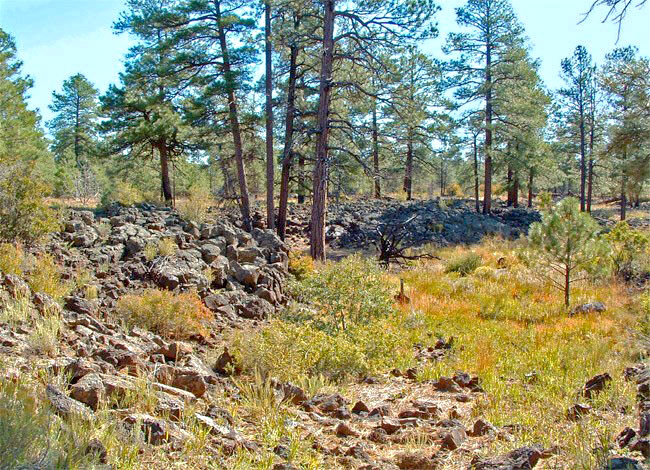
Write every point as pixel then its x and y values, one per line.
pixel 75 128
pixel 627 87
pixel 362 27
pixel 480 52
pixel 23 154
pixel 577 73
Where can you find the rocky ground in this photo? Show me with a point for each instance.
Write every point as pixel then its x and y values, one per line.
pixel 353 225
pixel 378 423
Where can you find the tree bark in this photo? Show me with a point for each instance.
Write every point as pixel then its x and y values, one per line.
pixel 624 187
pixel 408 175
pixel 233 117
pixel 375 150
pixel 270 163
pixel 487 190
pixel 165 186
pixel 515 190
pixel 531 174
pixel 476 183
pixel 287 153
pixel 509 186
pixel 567 285
pixel 319 198
pixel 583 161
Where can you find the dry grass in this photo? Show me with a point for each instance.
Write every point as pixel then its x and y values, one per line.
pixel 166 313
pixel 509 328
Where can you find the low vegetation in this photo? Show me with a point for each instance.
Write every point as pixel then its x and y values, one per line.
pixel 166 313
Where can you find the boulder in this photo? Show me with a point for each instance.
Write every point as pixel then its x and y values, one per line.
pixel 65 406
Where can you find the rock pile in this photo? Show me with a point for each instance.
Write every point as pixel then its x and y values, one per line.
pixel 238 274
pixel 354 224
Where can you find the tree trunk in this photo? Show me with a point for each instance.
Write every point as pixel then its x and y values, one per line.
pixel 408 176
pixel 375 150
pixel 624 188
pixel 165 184
pixel 476 183
pixel 583 160
pixel 592 132
pixel 287 153
pixel 567 285
pixel 531 174
pixel 270 163
pixel 319 199
pixel 233 116
pixel 487 190
pixel 515 190
pixel 509 186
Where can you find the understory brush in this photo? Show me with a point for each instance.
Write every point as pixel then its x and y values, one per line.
pixel 345 326
pixel 169 314
pixel 509 327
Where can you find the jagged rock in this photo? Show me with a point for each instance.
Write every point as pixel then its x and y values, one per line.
pixel 447 384
pixel 596 384
pixel 623 463
pixel 390 425
pixel 66 406
pixel 378 435
pixel 93 388
pixel 344 430
pixel 158 431
pixel 482 427
pixel 524 458
pixel 226 364
pixel 360 407
pixel 185 378
pixel 641 445
pixel 415 461
pixel 453 438
pixel 80 305
pixel 175 350
pixel 254 308
pixel 578 410
pixel 591 307
pixel 247 274
pixel 624 438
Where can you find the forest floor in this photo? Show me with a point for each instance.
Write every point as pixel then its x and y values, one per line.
pixel 477 364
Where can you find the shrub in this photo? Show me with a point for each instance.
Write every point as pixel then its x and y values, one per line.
pixel 567 245
pixel 350 291
pixel 196 207
pixel 464 265
pixel 166 313
pixel 23 211
pixel 45 276
pixel 12 259
pixel 628 246
pixel 44 338
pixel 300 265
pixel 31 437
pixel 122 193
pixel 167 247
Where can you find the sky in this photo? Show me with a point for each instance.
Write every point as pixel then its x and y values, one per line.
pixel 59 38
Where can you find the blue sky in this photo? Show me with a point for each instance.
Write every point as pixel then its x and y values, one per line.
pixel 58 38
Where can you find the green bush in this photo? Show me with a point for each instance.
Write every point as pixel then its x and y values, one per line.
pixel 32 437
pixel 166 313
pixel 349 328
pixel 348 292
pixel 629 248
pixel 23 209
pixel 464 265
pixel 122 193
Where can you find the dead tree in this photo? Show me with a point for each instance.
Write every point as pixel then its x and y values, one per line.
pixel 390 243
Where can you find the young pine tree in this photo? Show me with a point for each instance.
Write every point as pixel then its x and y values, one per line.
pixel 565 246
